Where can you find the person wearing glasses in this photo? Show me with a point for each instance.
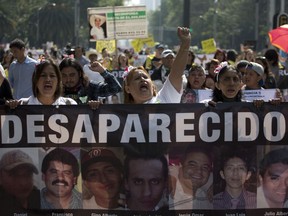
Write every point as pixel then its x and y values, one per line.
pixel 236 166
pixel 102 174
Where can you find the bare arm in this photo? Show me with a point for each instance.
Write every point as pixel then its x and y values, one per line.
pixel 180 61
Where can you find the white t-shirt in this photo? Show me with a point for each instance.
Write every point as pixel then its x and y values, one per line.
pixel 167 94
pixel 60 101
pixel 98 32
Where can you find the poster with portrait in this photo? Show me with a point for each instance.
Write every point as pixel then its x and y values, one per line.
pixel 146 159
pixel 98 29
pixel 121 22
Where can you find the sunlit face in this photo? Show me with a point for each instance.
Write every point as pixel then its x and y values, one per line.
pixel 103 180
pixel 59 179
pixel 220 56
pixel 235 173
pixel 47 82
pixel 196 79
pixel 195 170
pixel 274 183
pixel 8 57
pixel 249 55
pixel 145 184
pixel 251 78
pixel 17 182
pixel 139 86
pixel 229 83
pixel 123 60
pixel 70 77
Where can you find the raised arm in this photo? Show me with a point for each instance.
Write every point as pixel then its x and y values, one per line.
pixel 180 61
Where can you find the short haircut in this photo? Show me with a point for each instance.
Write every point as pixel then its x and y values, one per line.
pixel 197 149
pixel 274 156
pixel 17 43
pixel 237 153
pixel 62 156
pixel 161 158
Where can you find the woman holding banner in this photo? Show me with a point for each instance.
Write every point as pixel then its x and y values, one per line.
pixel 228 83
pixel 139 88
pixel 47 87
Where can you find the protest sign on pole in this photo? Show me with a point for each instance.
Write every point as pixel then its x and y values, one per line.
pixel 107 23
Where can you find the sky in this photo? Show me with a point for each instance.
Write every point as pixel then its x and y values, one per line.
pixel 150 4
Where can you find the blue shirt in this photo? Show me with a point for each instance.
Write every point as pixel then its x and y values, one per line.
pixel 20 77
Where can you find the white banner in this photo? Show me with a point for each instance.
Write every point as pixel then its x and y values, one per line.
pixel 108 23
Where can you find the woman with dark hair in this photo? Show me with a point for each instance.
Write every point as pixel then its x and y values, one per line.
pixel 196 80
pixel 190 60
pixel 78 86
pixel 227 84
pixel 46 87
pixel 220 55
pixel 276 68
pixel 123 62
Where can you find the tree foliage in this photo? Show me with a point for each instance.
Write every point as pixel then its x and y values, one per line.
pixel 230 22
pixel 38 21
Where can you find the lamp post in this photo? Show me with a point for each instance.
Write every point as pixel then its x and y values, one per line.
pixel 38 20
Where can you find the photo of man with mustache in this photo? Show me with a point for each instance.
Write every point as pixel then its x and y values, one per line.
pixel 60 170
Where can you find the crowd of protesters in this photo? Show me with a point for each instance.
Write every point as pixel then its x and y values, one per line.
pixel 108 81
pixel 166 76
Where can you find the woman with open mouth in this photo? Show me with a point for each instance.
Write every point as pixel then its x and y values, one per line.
pixel 139 88
pixel 47 87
